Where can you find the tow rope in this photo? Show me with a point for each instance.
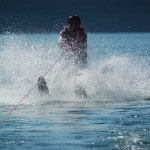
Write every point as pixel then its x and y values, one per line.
pixel 32 88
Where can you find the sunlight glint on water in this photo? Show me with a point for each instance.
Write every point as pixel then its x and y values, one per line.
pixel 115 113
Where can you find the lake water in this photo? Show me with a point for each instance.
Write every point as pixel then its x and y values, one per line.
pixel 114 115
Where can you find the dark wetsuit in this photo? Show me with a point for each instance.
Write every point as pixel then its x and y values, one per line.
pixel 77 44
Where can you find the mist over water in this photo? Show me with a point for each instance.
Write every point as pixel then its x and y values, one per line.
pixel 116 71
pixel 115 113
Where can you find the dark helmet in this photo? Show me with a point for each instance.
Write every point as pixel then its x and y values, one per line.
pixel 72 17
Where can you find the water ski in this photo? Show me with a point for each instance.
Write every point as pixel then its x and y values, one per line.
pixel 42 86
pixel 80 91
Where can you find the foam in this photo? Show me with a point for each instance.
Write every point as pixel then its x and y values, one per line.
pixel 112 78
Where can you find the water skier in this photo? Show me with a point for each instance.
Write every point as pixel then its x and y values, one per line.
pixel 74 39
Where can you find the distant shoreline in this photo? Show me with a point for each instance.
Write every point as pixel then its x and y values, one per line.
pixel 23 22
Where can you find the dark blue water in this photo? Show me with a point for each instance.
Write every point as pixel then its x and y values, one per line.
pixel 114 115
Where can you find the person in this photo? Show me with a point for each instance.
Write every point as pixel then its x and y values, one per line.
pixel 74 39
